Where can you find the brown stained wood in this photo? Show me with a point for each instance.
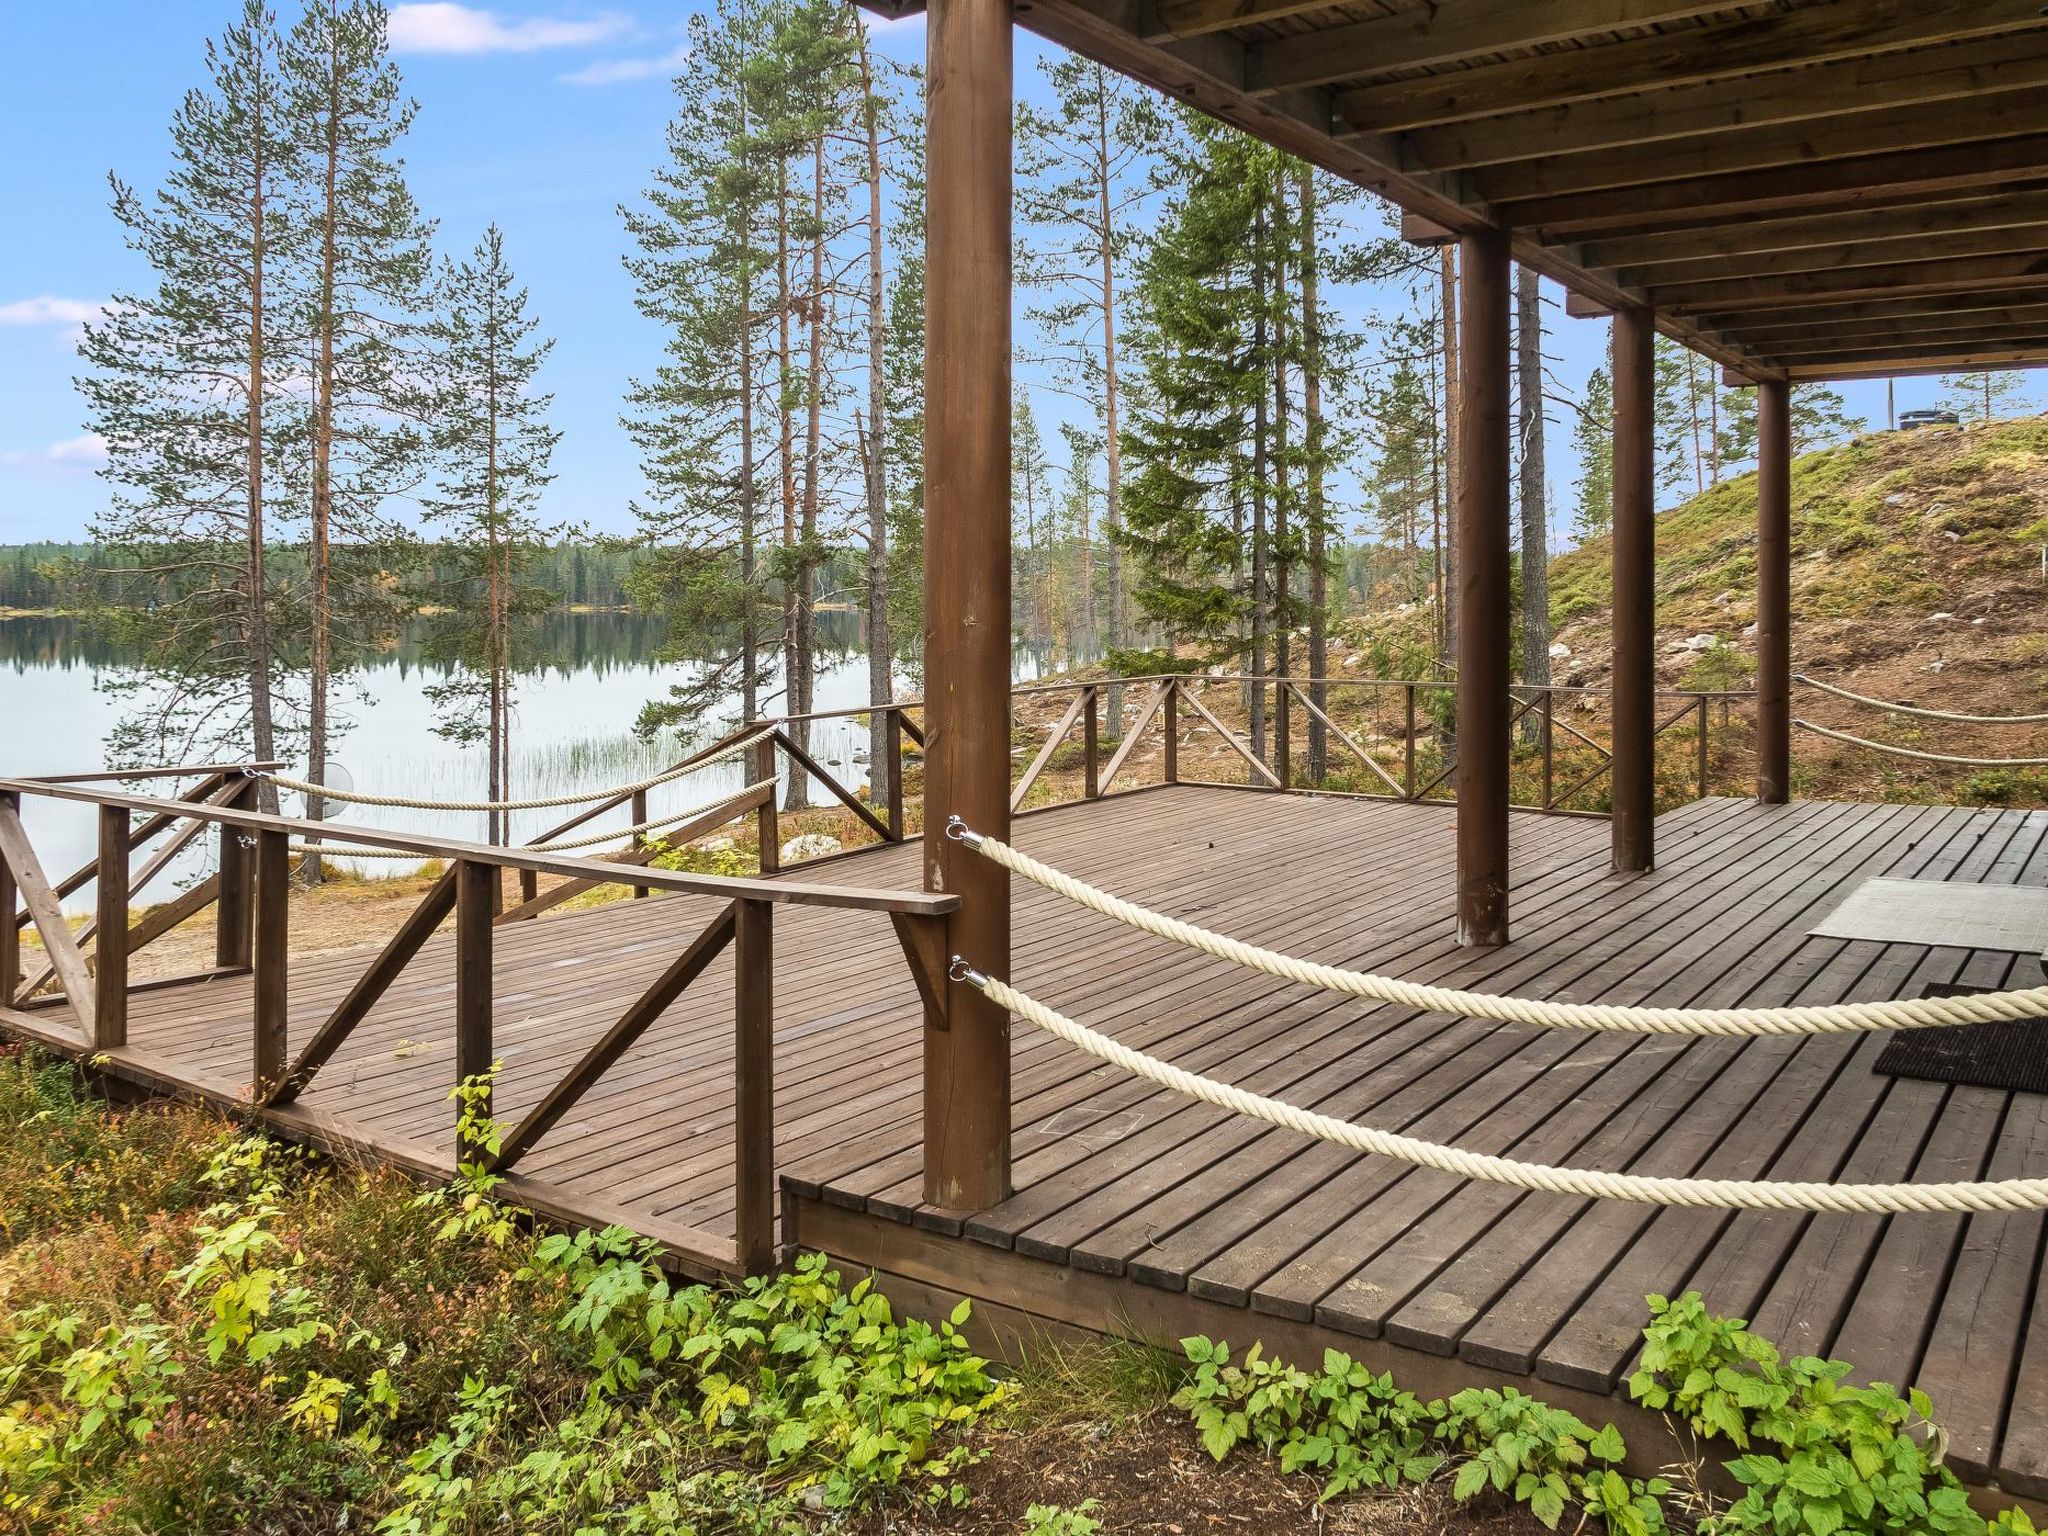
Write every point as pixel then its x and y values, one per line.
pixel 1890 251
pixel 110 971
pixel 1091 743
pixel 1846 229
pixel 142 832
pixel 923 942
pixel 10 924
pixel 612 803
pixel 839 791
pixel 1773 594
pixel 234 919
pixel 1682 56
pixel 1344 737
pixel 1633 766
pixel 269 1018
pixel 475 980
pixel 1059 733
pixel 2021 274
pixel 46 909
pixel 617 1040
pixel 1251 758
pixel 374 982
pixel 1134 730
pixel 754 1087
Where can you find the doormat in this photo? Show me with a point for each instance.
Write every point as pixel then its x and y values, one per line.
pixel 2008 1053
pixel 1950 913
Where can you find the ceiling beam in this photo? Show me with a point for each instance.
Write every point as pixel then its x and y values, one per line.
pixel 2005 350
pixel 2013 105
pixel 1906 368
pixel 2024 271
pixel 1837 98
pixel 1847 256
pixel 1718 51
pixel 1985 307
pixel 1862 181
pixel 1444 34
pixel 2028 320
pixel 1912 222
pixel 1195 18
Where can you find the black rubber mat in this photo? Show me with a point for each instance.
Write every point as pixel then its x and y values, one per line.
pixel 2011 1053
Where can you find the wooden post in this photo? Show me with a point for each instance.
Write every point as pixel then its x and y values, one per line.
pixel 271 957
pixel 1091 737
pixel 10 926
pixel 1773 592
pixel 1169 718
pixel 968 97
pixel 1283 742
pixel 638 815
pixel 768 825
pixel 892 743
pixel 754 1086
pixel 474 885
pixel 1634 782
pixel 1549 746
pixel 1483 591
pixel 1408 737
pixel 234 913
pixel 1702 747
pixel 110 924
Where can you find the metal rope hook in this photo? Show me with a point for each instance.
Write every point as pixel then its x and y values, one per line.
pixel 960 970
pixel 959 832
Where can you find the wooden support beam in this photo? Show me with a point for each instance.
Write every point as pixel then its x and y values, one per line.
pixel 1773 593
pixel 754 1082
pixel 271 895
pixel 46 908
pixel 1957 331
pixel 1835 100
pixel 1634 783
pixel 10 925
pixel 1417 230
pixel 1483 590
pixel 1906 368
pixel 1886 316
pixel 1964 357
pixel 1577 306
pixel 475 907
pixel 1865 181
pixel 1855 228
pixel 110 950
pixel 967 581
pixel 1681 56
pixel 2019 272
pixel 1889 254
pixel 1444 34
pixel 235 916
pixel 2020 110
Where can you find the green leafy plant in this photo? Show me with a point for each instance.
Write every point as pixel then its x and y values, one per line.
pixel 1057 1520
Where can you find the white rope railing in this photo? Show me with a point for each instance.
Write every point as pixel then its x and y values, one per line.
pixel 1643 1189
pixel 1925 757
pixel 1833 1018
pixel 1914 709
pixel 415 803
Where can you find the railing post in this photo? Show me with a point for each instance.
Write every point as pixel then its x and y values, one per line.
pixel 1408 738
pixel 639 814
pixel 761 768
pixel 1549 746
pixel 754 1087
pixel 1283 745
pixel 271 955
pixel 892 744
pixel 110 923
pixel 529 882
pixel 234 912
pixel 10 928
pixel 1169 714
pixel 1703 749
pixel 1091 725
pixel 474 884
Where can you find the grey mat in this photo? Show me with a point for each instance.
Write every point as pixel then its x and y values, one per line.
pixel 2006 1054
pixel 2013 918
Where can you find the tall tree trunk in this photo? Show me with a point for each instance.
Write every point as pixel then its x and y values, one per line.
pixel 1534 505
pixel 1112 502
pixel 882 766
pixel 1447 585
pixel 803 682
pixel 494 634
pixel 1261 602
pixel 1283 564
pixel 320 554
pixel 262 733
pixel 786 448
pixel 1312 414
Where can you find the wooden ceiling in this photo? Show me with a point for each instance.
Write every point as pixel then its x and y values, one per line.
pixel 1799 188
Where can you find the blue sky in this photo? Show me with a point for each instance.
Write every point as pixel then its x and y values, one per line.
pixel 542 116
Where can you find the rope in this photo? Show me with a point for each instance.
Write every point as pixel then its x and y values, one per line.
pixel 1644 1189
pixel 319 850
pixel 1904 1013
pixel 1925 757
pixel 1913 709
pixel 404 802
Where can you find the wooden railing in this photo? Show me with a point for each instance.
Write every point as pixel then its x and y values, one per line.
pixel 250 889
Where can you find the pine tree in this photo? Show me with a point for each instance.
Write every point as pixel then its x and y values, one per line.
pixel 358 301
pixel 184 381
pixel 494 444
pixel 702 269
pixel 1820 418
pixel 1030 511
pixel 1984 396
pixel 872 431
pixel 1532 491
pixel 1593 439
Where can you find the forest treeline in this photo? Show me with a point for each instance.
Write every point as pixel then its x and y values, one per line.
pixel 1232 420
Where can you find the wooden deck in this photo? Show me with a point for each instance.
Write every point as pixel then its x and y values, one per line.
pixel 1131 1201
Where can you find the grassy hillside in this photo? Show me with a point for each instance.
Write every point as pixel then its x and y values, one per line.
pixel 1916 577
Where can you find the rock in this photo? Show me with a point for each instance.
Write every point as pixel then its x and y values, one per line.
pixel 1559 650
pixel 1354 661
pixel 1723 599
pixel 1702 642
pixel 1896 499
pixel 1936 618
pixel 1749 631
pixel 1936 665
pixel 717 845
pixel 809 845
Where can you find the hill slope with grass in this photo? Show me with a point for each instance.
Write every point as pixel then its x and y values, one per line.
pixel 1916 577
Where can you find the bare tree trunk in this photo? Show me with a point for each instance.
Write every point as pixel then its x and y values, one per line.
pixel 882 767
pixel 1283 564
pixel 320 554
pixel 262 732
pixel 1446 596
pixel 1534 505
pixel 786 448
pixel 1112 503
pixel 803 680
pixel 1312 412
pixel 1260 469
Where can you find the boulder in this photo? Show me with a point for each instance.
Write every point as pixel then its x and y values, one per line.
pixel 809 845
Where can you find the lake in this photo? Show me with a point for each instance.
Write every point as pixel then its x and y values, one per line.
pixel 573 729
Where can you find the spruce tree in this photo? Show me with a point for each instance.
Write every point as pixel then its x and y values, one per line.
pixel 183 381
pixel 1593 439
pixel 1986 395
pixel 1820 418
pixel 1532 494
pixel 358 301
pixel 494 446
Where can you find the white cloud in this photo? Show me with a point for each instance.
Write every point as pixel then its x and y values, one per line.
pixel 48 309
pixel 441 26
pixel 615 71
pixel 86 451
